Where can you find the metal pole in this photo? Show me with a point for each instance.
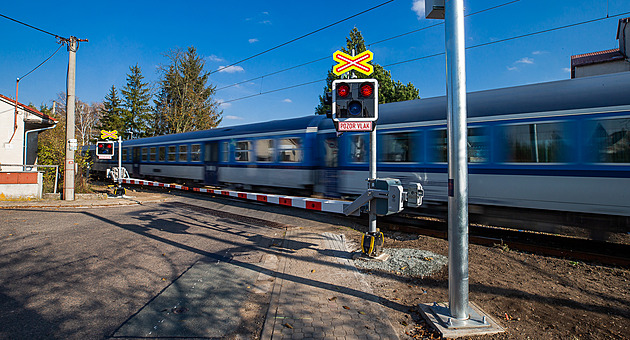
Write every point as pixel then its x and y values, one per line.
pixel 371 179
pixel 119 161
pixel 68 178
pixel 457 161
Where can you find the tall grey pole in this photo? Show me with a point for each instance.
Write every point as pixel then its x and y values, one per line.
pixel 371 179
pixel 68 178
pixel 457 160
pixel 120 172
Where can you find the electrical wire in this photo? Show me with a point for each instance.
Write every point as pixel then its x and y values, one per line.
pixel 272 91
pixel 301 37
pixel 42 63
pixel 514 38
pixel 442 53
pixel 33 27
pixel 374 43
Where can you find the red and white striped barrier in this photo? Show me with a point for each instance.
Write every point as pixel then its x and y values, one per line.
pixel 333 206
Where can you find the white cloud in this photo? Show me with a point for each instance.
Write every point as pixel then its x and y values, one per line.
pixel 287 101
pixel 213 57
pixel 234 117
pixel 253 40
pixel 525 61
pixel 222 104
pixel 265 22
pixel 538 52
pixel 418 7
pixel 566 69
pixel 265 13
pixel 230 69
pixel 512 68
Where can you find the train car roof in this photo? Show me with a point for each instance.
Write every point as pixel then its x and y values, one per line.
pixel 590 92
pixel 291 124
pixel 599 91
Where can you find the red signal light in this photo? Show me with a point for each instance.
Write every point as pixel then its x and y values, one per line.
pixel 366 90
pixel 343 90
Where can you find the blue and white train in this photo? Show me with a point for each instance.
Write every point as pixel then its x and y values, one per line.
pixel 557 146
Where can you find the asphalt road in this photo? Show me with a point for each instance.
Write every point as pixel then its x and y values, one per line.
pixel 83 273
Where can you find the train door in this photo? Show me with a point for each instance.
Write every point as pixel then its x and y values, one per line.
pixel 135 168
pixel 211 160
pixel 330 173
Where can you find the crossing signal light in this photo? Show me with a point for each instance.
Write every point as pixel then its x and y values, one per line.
pixel 355 100
pixel 104 148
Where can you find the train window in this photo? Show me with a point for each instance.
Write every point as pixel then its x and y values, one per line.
pixel 290 149
pixel 331 151
pixel 172 153
pixel 183 153
pixel 264 150
pixel 608 140
pixel 125 151
pixel 195 153
pixel 437 146
pixel 477 145
pixel 152 154
pixel 397 147
pixel 212 152
pixel 535 143
pixel 145 154
pixel 224 152
pixel 242 151
pixel 358 148
pixel 162 153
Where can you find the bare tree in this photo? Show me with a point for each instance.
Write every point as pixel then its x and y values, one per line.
pixel 86 117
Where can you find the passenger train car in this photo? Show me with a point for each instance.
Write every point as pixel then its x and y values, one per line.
pixel 558 146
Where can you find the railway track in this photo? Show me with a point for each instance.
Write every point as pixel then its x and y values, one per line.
pixel 576 248
pixel 535 242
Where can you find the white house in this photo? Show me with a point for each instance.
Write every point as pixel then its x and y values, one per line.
pixel 20 126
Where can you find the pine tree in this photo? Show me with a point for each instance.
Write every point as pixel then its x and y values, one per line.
pixel 185 102
pixel 112 115
pixel 137 108
pixel 388 90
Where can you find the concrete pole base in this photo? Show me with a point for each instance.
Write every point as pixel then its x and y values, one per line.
pixel 479 322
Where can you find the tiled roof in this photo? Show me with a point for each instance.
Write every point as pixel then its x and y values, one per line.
pixel 27 108
pixel 596 57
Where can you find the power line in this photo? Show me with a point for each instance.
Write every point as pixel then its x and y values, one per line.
pixel 276 90
pixel 442 53
pixel 42 63
pixel 441 23
pixel 515 37
pixel 374 43
pixel 303 36
pixel 33 27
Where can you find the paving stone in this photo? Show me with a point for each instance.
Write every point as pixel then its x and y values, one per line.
pixel 315 281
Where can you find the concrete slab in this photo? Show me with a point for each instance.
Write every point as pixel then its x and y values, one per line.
pixel 203 302
pixel 480 324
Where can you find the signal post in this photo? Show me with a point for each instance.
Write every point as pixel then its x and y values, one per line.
pixel 355 108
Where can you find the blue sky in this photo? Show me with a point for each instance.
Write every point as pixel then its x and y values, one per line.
pixel 125 33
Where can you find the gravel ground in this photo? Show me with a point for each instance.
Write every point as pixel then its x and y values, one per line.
pixel 414 263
